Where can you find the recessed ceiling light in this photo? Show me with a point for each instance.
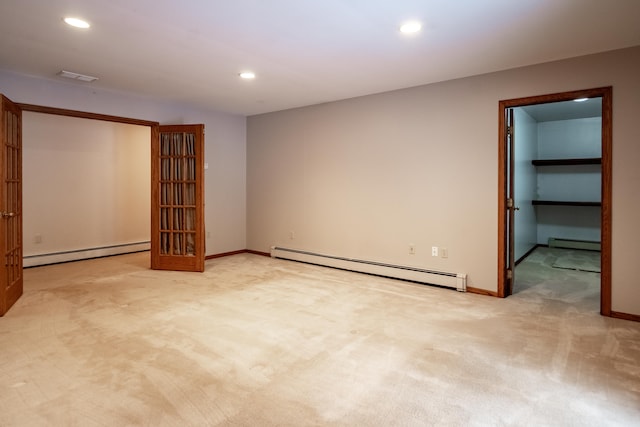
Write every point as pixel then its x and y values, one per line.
pixel 76 22
pixel 248 75
pixel 411 27
pixel 580 99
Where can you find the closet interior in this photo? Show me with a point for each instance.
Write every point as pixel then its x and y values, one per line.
pixel 557 176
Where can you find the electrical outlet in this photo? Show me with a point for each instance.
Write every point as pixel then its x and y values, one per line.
pixel 412 249
pixel 292 235
pixel 444 253
pixel 434 251
pixel 37 238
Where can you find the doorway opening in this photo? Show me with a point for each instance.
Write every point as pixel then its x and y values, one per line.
pixel 85 188
pixel 533 210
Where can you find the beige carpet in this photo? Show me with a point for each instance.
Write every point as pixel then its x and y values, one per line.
pixel 260 342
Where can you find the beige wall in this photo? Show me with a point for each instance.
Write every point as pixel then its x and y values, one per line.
pixel 85 183
pixel 368 176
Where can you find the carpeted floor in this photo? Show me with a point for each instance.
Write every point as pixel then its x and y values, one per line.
pixel 541 274
pixel 255 341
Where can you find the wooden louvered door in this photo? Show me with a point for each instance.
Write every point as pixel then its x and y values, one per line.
pixel 10 205
pixel 177 198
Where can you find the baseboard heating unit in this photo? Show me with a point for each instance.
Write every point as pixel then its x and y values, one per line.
pixel 456 281
pixel 81 254
pixel 587 245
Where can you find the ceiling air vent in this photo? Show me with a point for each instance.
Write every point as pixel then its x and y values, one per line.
pixel 77 76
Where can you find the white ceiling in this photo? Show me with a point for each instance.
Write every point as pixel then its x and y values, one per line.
pixel 303 51
pixel 566 110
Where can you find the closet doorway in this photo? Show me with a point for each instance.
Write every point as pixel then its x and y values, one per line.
pixel 555 185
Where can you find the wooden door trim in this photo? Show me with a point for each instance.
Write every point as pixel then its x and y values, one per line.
pixel 85 115
pixel 606 94
pixel 154 126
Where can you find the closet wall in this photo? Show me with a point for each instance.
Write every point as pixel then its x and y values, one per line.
pixel 578 138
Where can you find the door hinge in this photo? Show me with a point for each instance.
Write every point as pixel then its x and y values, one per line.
pixel 508 130
pixel 509 274
pixel 509 203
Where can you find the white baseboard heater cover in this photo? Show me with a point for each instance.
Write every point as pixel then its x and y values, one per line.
pixel 456 281
pixel 588 245
pixel 82 254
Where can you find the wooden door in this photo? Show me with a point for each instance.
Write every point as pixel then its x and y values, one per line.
pixel 177 198
pixel 10 205
pixel 511 200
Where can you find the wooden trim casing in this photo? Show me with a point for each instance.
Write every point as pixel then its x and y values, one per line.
pixel 480 291
pixel 225 254
pixel 155 195
pixel 607 190
pixel 84 115
pixel 241 251
pixel 625 316
pixel 267 254
pixel 606 93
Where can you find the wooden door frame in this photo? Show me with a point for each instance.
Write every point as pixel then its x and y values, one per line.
pixel 155 135
pixel 605 216
pixel 85 115
pixel 95 116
